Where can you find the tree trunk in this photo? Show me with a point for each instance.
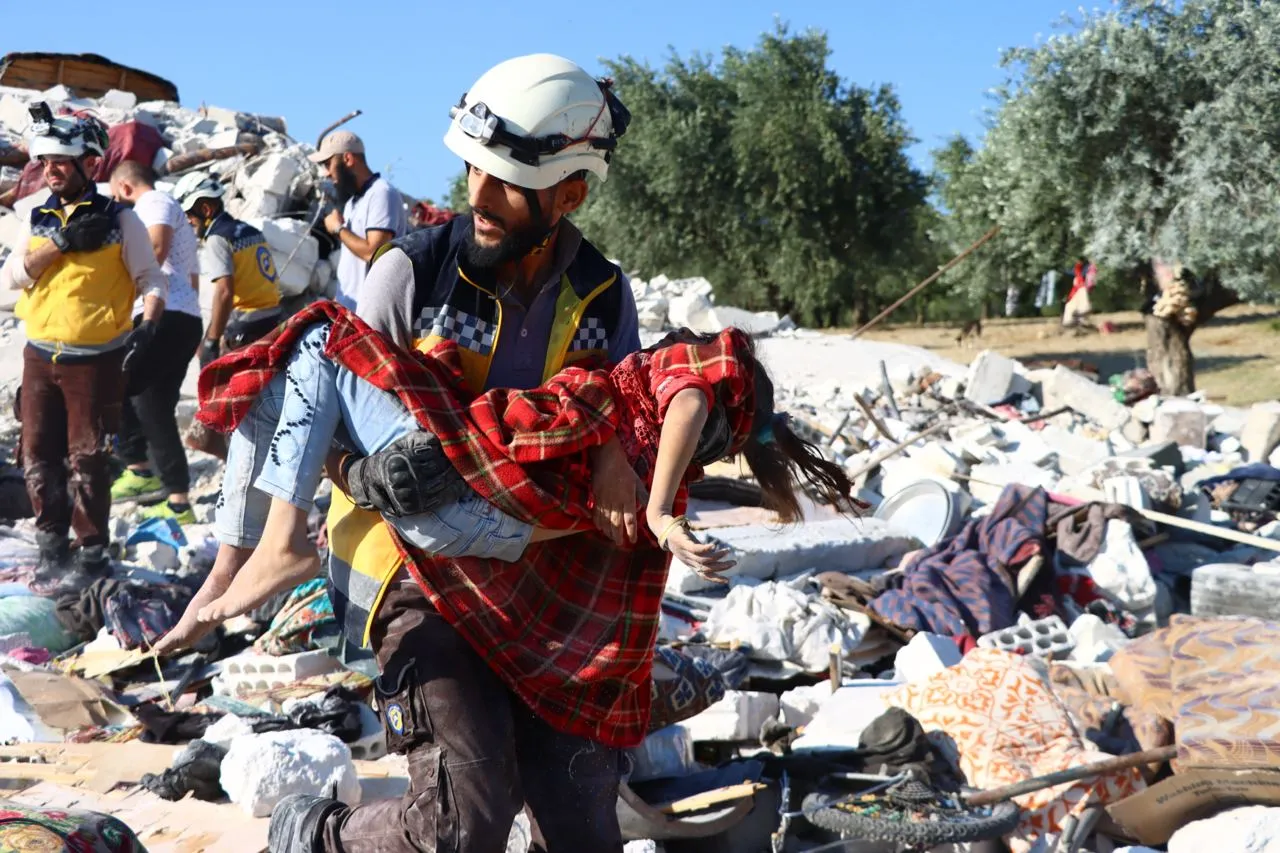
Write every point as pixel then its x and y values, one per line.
pixel 1169 356
pixel 922 311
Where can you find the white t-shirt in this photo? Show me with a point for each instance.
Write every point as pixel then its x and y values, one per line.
pixel 157 208
pixel 379 207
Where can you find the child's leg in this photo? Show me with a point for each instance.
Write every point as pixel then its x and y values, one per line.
pixel 241 511
pixel 283 559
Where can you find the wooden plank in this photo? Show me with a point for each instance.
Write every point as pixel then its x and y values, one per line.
pixel 711 798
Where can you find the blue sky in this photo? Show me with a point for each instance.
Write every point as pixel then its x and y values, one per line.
pixel 409 61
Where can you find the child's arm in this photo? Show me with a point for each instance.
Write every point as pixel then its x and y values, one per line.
pixel 686 416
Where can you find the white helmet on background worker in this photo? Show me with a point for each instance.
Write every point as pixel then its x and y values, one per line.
pixel 66 136
pixel 535 120
pixel 194 186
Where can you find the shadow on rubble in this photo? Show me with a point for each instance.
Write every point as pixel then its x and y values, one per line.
pixel 1107 364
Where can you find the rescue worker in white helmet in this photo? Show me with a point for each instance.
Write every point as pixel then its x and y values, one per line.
pixel 235 257
pixel 80 262
pixel 524 294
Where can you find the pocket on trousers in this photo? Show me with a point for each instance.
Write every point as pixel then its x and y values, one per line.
pixel 401 706
pixel 431 814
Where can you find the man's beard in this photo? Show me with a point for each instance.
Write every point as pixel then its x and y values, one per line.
pixel 513 246
pixel 345 182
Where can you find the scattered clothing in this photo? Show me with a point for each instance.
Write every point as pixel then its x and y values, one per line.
pixel 197 770
pixel 336 713
pixel 297 621
pixel 965 585
pixel 137 614
pixel 996 717
pixel 172 727
pixel 682 686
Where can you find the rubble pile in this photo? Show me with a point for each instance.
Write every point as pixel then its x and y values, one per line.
pixel 271 183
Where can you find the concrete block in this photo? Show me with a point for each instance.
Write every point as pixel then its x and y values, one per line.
pixel 1182 422
pixel 693 310
pixel 222 116
pixel 249 671
pixel 1065 387
pixel 940 459
pixel 372 743
pixel 843 717
pixel 118 100
pixel 261 770
pixel 1126 490
pixel 987 481
pixel 925 655
pixel 735 718
pixel 159 556
pixel 1145 409
pixel 1075 453
pixel 14 117
pixel 1046 638
pixel 256 203
pixel 799 705
pixel 201 127
pixel 1261 433
pixel 839 544
pixel 653 313
pixel 993 378
pixel 1164 454
pixel 1096 641
pixel 275 174
pixel 1245 829
pixel 57 93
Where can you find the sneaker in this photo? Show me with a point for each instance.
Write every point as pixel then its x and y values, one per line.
pixel 186 515
pixel 132 486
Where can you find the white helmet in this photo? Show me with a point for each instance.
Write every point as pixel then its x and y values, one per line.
pixel 535 120
pixel 194 186
pixel 67 136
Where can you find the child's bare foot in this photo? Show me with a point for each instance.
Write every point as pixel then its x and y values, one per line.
pixel 283 559
pixel 190 629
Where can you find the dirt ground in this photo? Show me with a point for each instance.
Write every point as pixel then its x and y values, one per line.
pixel 1237 352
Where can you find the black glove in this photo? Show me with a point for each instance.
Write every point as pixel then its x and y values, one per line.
pixel 209 351
pixel 137 343
pixel 84 233
pixel 411 476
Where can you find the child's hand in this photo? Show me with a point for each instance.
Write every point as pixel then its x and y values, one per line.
pixel 706 559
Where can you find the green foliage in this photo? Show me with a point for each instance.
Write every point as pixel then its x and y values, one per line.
pixel 765 172
pixel 1148 130
pixel 457 197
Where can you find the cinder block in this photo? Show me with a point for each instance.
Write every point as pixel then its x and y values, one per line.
pixel 993 378
pixel 250 671
pixel 1065 387
pixel 1047 638
pixel 1261 432
pixel 1182 422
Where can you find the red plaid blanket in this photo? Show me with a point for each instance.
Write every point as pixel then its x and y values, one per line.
pixel 571 626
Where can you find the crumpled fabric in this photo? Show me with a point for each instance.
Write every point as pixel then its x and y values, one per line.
pixel 996 717
pixel 172 726
pixel 684 685
pixel 779 621
pixel 1120 571
pixel 336 713
pixel 965 585
pixel 1217 680
pixel 196 769
pixel 140 612
pixel 293 628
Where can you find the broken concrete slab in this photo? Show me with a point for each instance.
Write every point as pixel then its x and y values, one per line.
pixel 925 655
pixel 765 552
pixel 1261 433
pixel 735 718
pixel 993 378
pixel 1066 387
pixel 1182 422
pixel 1164 454
pixel 1074 452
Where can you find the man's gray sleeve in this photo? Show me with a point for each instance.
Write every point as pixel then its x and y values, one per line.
pixel 386 297
pixel 626 338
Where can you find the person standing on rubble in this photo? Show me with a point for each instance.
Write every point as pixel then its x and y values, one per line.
pixel 149 418
pixel 81 263
pixel 236 258
pixel 523 294
pixel 374 212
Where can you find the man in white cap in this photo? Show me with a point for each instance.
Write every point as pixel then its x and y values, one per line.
pixel 522 293
pixel 373 214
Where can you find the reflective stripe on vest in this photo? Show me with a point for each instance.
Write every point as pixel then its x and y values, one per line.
pixel 83 298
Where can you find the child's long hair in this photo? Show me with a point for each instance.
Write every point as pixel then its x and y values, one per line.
pixel 782 460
